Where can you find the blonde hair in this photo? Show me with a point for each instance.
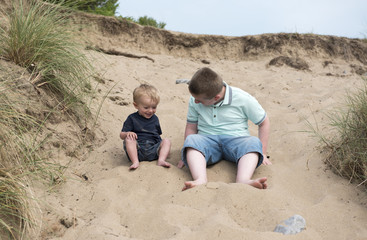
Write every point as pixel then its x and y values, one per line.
pixel 146 90
pixel 206 81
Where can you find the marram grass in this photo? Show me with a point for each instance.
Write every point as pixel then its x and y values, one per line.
pixel 39 38
pixel 346 148
pixel 18 163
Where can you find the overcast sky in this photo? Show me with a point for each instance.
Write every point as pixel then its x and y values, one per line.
pixel 346 18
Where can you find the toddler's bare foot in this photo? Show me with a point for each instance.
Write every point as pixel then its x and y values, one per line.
pixel 164 164
pixel 191 184
pixel 134 166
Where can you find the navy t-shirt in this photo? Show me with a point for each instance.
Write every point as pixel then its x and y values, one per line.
pixel 143 127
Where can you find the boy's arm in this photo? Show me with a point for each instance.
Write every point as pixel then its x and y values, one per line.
pixel 264 130
pixel 191 128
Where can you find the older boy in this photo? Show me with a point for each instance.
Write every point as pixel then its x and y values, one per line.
pixel 141 130
pixel 217 128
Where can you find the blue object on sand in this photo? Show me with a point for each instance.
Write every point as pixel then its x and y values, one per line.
pixel 292 225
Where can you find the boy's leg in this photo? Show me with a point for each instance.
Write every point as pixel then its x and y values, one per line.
pixel 197 166
pixel 246 152
pixel 246 168
pixel 132 151
pixel 164 151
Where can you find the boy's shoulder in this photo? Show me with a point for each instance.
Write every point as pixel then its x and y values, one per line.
pixel 238 90
pixel 240 93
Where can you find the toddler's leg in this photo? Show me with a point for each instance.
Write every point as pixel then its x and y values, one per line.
pixel 246 168
pixel 132 151
pixel 164 153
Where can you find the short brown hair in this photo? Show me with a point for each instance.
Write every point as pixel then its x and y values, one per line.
pixel 206 81
pixel 147 90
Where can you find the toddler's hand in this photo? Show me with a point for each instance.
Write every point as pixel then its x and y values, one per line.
pixel 131 136
pixel 134 166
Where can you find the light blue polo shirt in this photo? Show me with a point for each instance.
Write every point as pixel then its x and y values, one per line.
pixel 228 117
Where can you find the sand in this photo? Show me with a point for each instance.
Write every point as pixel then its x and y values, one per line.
pixel 102 199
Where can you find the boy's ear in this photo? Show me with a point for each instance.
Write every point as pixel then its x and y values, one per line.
pixel 135 104
pixel 217 97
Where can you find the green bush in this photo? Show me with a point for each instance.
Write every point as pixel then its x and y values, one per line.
pixel 145 21
pixel 148 21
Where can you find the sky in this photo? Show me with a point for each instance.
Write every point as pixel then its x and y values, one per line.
pixel 343 18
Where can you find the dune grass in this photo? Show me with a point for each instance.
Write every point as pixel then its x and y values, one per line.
pixel 15 215
pixel 346 147
pixel 17 160
pixel 39 38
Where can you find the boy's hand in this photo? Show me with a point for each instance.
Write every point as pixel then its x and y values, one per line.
pixel 266 160
pixel 180 164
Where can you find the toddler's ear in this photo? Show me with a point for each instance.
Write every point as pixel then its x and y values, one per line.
pixel 135 104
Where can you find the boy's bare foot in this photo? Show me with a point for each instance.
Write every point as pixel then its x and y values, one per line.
pixel 259 183
pixel 191 184
pixel 164 164
pixel 134 166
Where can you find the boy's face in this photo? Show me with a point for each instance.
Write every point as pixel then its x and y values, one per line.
pixel 204 100
pixel 146 107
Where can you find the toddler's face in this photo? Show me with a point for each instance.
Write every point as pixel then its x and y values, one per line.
pixel 146 107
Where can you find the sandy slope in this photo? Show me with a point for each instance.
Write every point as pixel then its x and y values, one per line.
pixel 101 199
pixel 148 203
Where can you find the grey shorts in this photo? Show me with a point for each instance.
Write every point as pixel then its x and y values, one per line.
pixel 148 150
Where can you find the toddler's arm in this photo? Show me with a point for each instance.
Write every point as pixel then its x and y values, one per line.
pixel 128 135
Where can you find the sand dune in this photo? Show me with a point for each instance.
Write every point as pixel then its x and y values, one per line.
pixel 102 199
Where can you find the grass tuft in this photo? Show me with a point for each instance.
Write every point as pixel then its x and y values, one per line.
pixel 38 37
pixel 15 217
pixel 345 149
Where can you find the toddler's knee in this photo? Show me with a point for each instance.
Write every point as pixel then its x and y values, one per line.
pixel 130 141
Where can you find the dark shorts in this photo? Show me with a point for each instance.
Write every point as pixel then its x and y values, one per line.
pixel 147 150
